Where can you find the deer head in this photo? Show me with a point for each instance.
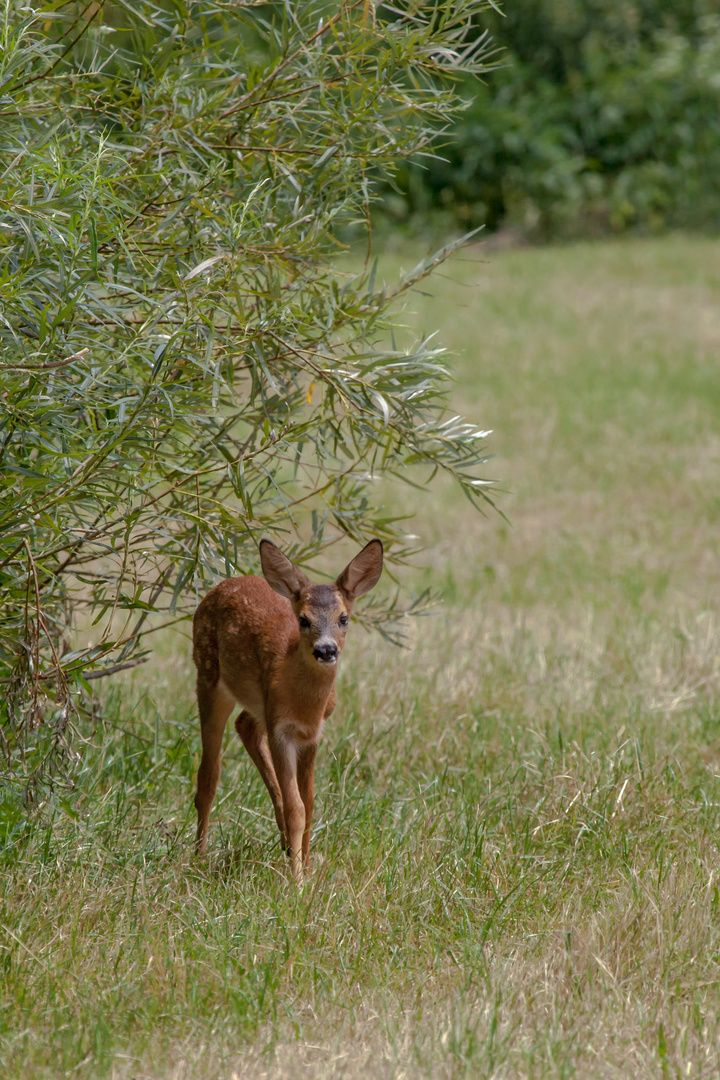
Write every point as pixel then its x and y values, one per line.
pixel 322 611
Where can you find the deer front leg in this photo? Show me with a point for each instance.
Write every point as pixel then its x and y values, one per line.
pixel 306 786
pixel 214 705
pixel 255 742
pixel 284 758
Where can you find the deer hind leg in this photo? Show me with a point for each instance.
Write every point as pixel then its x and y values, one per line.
pixel 255 742
pixel 214 705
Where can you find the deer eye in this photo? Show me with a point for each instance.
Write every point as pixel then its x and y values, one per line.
pixel 304 623
pixel 344 620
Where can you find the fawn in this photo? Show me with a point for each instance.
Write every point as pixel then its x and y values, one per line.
pixel 271 645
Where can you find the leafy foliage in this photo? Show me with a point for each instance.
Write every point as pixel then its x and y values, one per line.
pixel 603 115
pixel 183 367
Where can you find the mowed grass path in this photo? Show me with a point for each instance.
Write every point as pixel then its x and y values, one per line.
pixel 517 836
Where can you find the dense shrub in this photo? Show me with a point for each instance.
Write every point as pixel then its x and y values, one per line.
pixel 602 115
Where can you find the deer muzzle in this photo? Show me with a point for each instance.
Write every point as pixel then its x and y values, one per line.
pixel 325 652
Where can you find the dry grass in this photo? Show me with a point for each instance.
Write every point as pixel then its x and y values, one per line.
pixel 518 824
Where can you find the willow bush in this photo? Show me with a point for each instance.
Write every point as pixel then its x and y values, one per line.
pixel 184 369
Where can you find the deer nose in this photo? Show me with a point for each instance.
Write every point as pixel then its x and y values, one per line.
pixel 326 654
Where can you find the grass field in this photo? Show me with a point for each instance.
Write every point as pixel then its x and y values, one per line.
pixel 518 824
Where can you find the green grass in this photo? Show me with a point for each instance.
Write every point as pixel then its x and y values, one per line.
pixel 518 823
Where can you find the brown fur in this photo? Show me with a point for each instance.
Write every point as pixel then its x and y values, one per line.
pixel 251 646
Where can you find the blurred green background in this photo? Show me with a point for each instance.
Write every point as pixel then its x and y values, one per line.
pixel 601 116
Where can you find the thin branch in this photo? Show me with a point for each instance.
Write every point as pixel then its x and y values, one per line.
pixel 51 365
pixel 116 667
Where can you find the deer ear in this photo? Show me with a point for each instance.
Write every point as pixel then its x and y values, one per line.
pixel 363 573
pixel 279 572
